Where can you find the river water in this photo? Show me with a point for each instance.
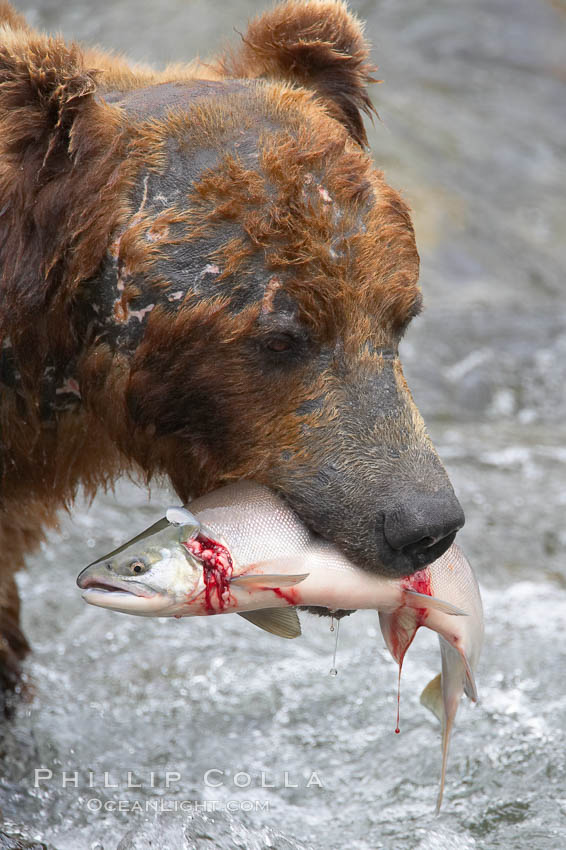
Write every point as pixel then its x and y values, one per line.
pixel 473 130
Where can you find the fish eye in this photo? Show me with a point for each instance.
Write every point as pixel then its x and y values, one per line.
pixel 137 566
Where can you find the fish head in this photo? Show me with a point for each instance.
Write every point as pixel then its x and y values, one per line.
pixel 148 576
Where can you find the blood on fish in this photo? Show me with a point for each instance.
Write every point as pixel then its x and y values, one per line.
pixel 421 583
pixel 291 595
pixel 217 569
pixel 406 620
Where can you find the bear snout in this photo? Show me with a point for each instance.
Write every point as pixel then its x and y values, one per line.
pixel 418 530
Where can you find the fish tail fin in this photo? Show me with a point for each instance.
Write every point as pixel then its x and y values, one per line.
pixel 470 688
pixel 446 732
pixel 457 678
pixel 433 698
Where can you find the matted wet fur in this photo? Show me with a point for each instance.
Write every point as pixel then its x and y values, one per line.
pixel 203 275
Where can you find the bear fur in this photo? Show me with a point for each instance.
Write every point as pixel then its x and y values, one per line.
pixel 204 276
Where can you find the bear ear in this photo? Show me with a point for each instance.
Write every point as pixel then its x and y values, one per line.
pixel 43 87
pixel 317 44
pixel 58 150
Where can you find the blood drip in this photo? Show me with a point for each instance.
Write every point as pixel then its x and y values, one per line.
pixel 398 728
pixel 217 569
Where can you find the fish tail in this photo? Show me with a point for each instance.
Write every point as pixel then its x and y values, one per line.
pixel 434 698
pixel 470 688
pixel 446 732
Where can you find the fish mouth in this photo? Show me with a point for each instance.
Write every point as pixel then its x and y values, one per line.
pixel 86 582
pixel 133 599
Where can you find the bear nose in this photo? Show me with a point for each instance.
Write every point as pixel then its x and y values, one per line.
pixel 424 526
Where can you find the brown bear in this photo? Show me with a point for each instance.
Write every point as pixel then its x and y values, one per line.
pixel 203 275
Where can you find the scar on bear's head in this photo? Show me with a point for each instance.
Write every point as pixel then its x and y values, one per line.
pixel 311 204
pixel 301 60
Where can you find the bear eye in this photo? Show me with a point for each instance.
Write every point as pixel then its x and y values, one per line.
pixel 282 347
pixel 279 343
pixel 137 567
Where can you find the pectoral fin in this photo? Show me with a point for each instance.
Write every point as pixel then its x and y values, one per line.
pixel 422 600
pixel 257 580
pixel 283 622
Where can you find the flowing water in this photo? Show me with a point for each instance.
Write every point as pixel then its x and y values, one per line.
pixel 473 130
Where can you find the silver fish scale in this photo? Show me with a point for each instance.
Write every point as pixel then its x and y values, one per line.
pixel 258 524
pixel 453 579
